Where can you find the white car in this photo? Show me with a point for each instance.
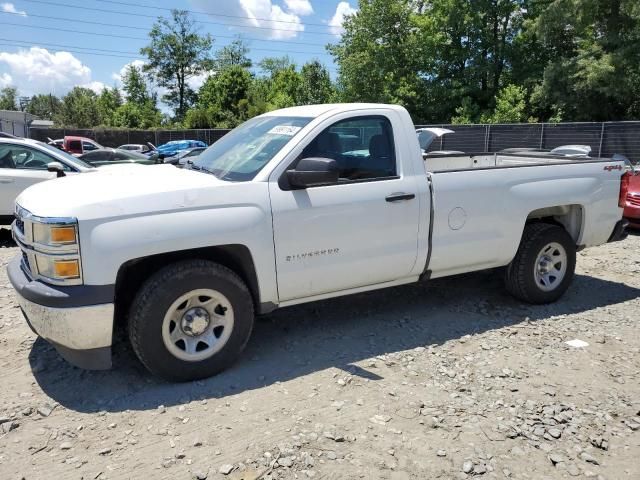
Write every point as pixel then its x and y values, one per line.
pixel 24 162
pixel 293 206
pixel 138 147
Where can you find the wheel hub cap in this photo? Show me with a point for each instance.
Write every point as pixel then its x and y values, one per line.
pixel 551 266
pixel 195 321
pixel 197 324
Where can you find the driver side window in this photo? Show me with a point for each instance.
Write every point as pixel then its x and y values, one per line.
pixel 362 147
pixel 24 158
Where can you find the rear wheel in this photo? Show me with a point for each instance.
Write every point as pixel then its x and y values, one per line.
pixel 544 265
pixel 190 320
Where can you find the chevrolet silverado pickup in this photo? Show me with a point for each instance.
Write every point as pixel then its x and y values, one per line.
pixel 293 206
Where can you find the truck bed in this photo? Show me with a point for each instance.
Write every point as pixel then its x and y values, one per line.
pixel 457 161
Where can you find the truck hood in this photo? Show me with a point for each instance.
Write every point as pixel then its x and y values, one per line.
pixel 119 190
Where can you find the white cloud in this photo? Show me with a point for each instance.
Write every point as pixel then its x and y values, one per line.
pixel 335 24
pixel 96 86
pixel 274 21
pixel 39 71
pixel 5 80
pixel 197 81
pixel 11 8
pixel 299 7
pixel 117 76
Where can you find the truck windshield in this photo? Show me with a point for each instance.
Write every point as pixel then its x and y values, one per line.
pixel 243 152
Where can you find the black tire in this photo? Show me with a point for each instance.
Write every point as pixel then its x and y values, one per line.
pixel 156 296
pixel 520 277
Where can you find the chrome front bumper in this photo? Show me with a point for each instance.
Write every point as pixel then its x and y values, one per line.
pixel 82 334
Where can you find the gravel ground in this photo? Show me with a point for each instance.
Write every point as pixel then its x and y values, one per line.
pixel 450 379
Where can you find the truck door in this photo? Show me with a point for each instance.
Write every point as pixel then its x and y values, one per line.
pixel 362 231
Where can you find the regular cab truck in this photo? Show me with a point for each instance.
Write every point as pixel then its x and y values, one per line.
pixel 293 206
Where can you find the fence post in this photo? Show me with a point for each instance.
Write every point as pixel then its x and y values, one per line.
pixel 542 137
pixel 601 140
pixel 487 135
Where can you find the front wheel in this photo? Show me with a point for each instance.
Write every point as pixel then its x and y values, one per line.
pixel 544 265
pixel 190 320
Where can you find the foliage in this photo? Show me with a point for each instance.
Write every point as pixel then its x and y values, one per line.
pixel 315 84
pixel 79 109
pixel 510 106
pixel 462 61
pixel 9 98
pixel 44 106
pixel 108 102
pixel 177 53
pixel 233 55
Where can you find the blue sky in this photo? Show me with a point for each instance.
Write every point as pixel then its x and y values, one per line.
pixel 43 54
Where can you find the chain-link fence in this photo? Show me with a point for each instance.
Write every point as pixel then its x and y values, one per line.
pixel 605 139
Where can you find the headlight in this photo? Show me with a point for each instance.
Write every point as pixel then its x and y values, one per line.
pixel 50 247
pixel 54 235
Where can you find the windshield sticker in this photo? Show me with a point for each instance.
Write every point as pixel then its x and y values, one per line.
pixel 288 130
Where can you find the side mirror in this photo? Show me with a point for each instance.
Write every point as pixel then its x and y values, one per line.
pixel 312 172
pixel 57 168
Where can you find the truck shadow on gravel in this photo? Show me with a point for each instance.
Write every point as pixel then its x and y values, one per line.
pixel 332 334
pixel 6 240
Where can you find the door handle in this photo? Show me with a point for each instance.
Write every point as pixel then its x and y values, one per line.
pixel 6 180
pixel 398 197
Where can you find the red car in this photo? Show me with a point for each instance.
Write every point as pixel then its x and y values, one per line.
pixel 632 200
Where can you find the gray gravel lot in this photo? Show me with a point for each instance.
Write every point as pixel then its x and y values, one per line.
pixel 449 379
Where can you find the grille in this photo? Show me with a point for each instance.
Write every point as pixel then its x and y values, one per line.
pixel 25 261
pixel 20 225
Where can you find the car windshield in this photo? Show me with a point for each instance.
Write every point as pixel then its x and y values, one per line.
pixel 75 161
pixel 243 152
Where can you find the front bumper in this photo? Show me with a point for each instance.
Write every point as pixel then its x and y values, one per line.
pixel 81 333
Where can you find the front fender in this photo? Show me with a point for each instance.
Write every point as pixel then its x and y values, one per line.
pixel 108 244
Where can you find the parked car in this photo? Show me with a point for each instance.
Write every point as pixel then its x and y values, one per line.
pixel 180 159
pixel 24 162
pixel 111 156
pixel 174 147
pixel 145 149
pixel 277 213
pixel 75 145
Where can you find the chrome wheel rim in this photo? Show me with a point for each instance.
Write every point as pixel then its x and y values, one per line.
pixel 550 266
pixel 197 325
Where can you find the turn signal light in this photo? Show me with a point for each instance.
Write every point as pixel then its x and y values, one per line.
pixel 63 234
pixel 66 268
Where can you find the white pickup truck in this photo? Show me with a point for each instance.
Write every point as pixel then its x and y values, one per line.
pixel 293 206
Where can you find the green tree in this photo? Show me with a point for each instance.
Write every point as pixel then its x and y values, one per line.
pixel 378 55
pixel 108 102
pixel 135 85
pixel 44 106
pixel 284 88
pixel 222 99
pixel 233 55
pixel 272 65
pixel 315 84
pixel 176 53
pixel 510 106
pixel 79 109
pixel 134 115
pixel 9 98
pixel 594 59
